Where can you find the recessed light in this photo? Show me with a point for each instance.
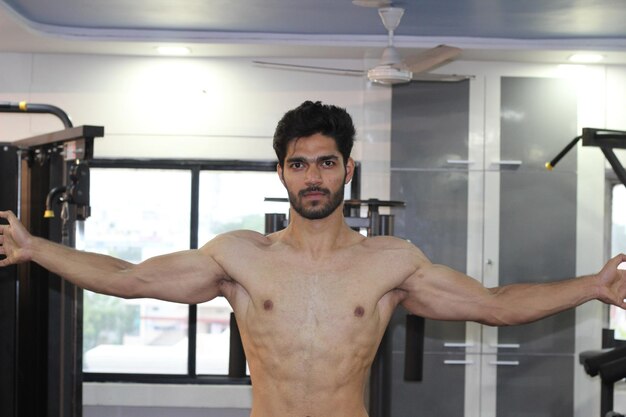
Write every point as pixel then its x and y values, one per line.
pixel 586 58
pixel 372 3
pixel 173 50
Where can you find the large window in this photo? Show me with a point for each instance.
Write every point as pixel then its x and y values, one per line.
pixel 136 214
pixel 140 210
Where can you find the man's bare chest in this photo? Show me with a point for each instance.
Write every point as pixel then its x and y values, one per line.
pixel 301 308
pixel 278 282
pixel 312 285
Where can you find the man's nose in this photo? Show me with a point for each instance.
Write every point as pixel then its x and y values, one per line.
pixel 313 175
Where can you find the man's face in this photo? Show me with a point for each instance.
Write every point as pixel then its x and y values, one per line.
pixel 315 175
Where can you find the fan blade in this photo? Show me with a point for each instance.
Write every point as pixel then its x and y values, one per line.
pixel 448 78
pixel 431 59
pixel 310 68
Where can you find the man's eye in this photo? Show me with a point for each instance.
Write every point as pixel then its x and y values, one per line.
pixel 328 163
pixel 296 165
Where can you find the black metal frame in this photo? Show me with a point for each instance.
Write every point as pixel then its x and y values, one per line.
pixel 45 338
pixel 610 365
pixel 25 107
pixel 606 140
pixel 8 293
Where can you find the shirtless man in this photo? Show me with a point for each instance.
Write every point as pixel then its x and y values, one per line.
pixel 313 300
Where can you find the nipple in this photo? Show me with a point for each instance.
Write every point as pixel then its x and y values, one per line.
pixel 268 305
pixel 359 311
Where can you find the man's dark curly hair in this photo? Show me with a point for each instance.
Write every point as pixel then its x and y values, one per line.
pixel 310 118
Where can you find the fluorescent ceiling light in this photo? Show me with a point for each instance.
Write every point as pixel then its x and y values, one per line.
pixel 586 58
pixel 173 50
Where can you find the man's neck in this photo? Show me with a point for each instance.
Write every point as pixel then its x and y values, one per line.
pixel 317 236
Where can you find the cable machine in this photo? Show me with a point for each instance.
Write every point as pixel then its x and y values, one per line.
pixel 609 364
pixel 41 359
pixel 606 140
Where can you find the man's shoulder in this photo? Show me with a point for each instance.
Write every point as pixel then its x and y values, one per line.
pixel 388 243
pixel 238 238
pixel 243 234
pixel 390 247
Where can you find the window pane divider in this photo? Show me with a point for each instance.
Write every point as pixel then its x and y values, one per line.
pixel 192 328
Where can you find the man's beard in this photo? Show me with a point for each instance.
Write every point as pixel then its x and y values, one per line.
pixel 318 209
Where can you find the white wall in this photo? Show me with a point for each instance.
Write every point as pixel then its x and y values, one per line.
pixel 228 108
pixel 189 108
pixel 158 107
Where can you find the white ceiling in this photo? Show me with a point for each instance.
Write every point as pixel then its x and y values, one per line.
pixel 530 30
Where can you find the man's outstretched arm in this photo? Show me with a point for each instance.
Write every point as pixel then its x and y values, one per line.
pixel 438 292
pixel 190 276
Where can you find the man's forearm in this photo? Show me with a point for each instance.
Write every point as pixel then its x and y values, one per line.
pixel 88 270
pixel 525 303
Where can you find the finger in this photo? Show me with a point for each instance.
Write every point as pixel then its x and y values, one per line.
pixel 5 230
pixel 617 260
pixel 11 217
pixel 620 261
pixel 8 214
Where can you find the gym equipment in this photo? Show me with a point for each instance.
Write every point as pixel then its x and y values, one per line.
pixel 41 344
pixel 24 107
pixel 376 224
pixel 604 139
pixel 236 354
pixel 611 366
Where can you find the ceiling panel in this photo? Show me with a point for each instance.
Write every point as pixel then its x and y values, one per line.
pixel 479 25
pixel 464 18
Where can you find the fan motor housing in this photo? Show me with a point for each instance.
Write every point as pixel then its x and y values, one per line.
pixel 389 75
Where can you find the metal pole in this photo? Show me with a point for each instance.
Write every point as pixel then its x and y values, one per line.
pixel 274 222
pixel 381 375
pixel 385 224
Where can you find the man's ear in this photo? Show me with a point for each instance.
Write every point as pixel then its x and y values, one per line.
pixel 279 170
pixel 349 170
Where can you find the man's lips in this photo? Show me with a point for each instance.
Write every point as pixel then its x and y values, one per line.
pixel 314 193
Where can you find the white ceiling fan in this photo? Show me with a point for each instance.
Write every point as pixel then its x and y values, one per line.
pixel 392 69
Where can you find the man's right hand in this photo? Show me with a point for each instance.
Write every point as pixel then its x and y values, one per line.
pixel 14 240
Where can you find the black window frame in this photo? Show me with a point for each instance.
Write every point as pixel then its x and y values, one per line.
pixel 195 167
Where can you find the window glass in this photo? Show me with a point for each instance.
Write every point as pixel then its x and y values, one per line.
pixel 618 245
pixel 229 200
pixel 136 214
pixel 618 216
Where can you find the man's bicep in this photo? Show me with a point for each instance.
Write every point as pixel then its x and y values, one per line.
pixel 189 277
pixel 439 292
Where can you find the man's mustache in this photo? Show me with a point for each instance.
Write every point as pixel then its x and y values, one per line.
pixel 313 190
